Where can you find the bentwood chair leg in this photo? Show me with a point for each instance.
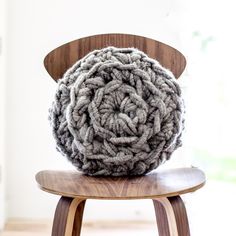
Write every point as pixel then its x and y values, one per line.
pixel 171 216
pixel 68 217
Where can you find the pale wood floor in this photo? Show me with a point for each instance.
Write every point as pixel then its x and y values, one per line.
pixel 42 228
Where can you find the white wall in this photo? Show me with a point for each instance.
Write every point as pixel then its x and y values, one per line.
pixel 35 28
pixel 2 110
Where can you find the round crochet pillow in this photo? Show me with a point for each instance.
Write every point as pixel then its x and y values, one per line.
pixel 117 112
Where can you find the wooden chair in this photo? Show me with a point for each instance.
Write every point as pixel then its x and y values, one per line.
pixel 164 187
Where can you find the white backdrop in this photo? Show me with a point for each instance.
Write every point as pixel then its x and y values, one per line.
pixel 2 110
pixel 35 28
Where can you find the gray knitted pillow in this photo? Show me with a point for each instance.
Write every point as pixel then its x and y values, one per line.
pixel 117 112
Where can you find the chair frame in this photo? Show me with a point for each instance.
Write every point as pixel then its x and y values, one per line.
pixel 170 210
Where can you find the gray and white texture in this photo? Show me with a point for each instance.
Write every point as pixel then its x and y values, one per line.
pixel 117 112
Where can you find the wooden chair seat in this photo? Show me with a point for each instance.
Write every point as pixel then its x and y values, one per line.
pixel 164 187
pixel 159 183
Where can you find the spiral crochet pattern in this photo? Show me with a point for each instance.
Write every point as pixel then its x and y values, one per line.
pixel 117 112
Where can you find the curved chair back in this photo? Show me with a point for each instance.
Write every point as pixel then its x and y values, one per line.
pixel 63 57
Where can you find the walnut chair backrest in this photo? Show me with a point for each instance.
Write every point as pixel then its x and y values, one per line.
pixel 63 57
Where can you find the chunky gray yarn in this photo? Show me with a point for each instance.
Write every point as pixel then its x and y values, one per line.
pixel 117 112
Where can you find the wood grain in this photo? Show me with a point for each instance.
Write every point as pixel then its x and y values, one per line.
pixel 159 183
pixel 68 217
pixel 166 223
pixel 63 57
pixel 171 216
